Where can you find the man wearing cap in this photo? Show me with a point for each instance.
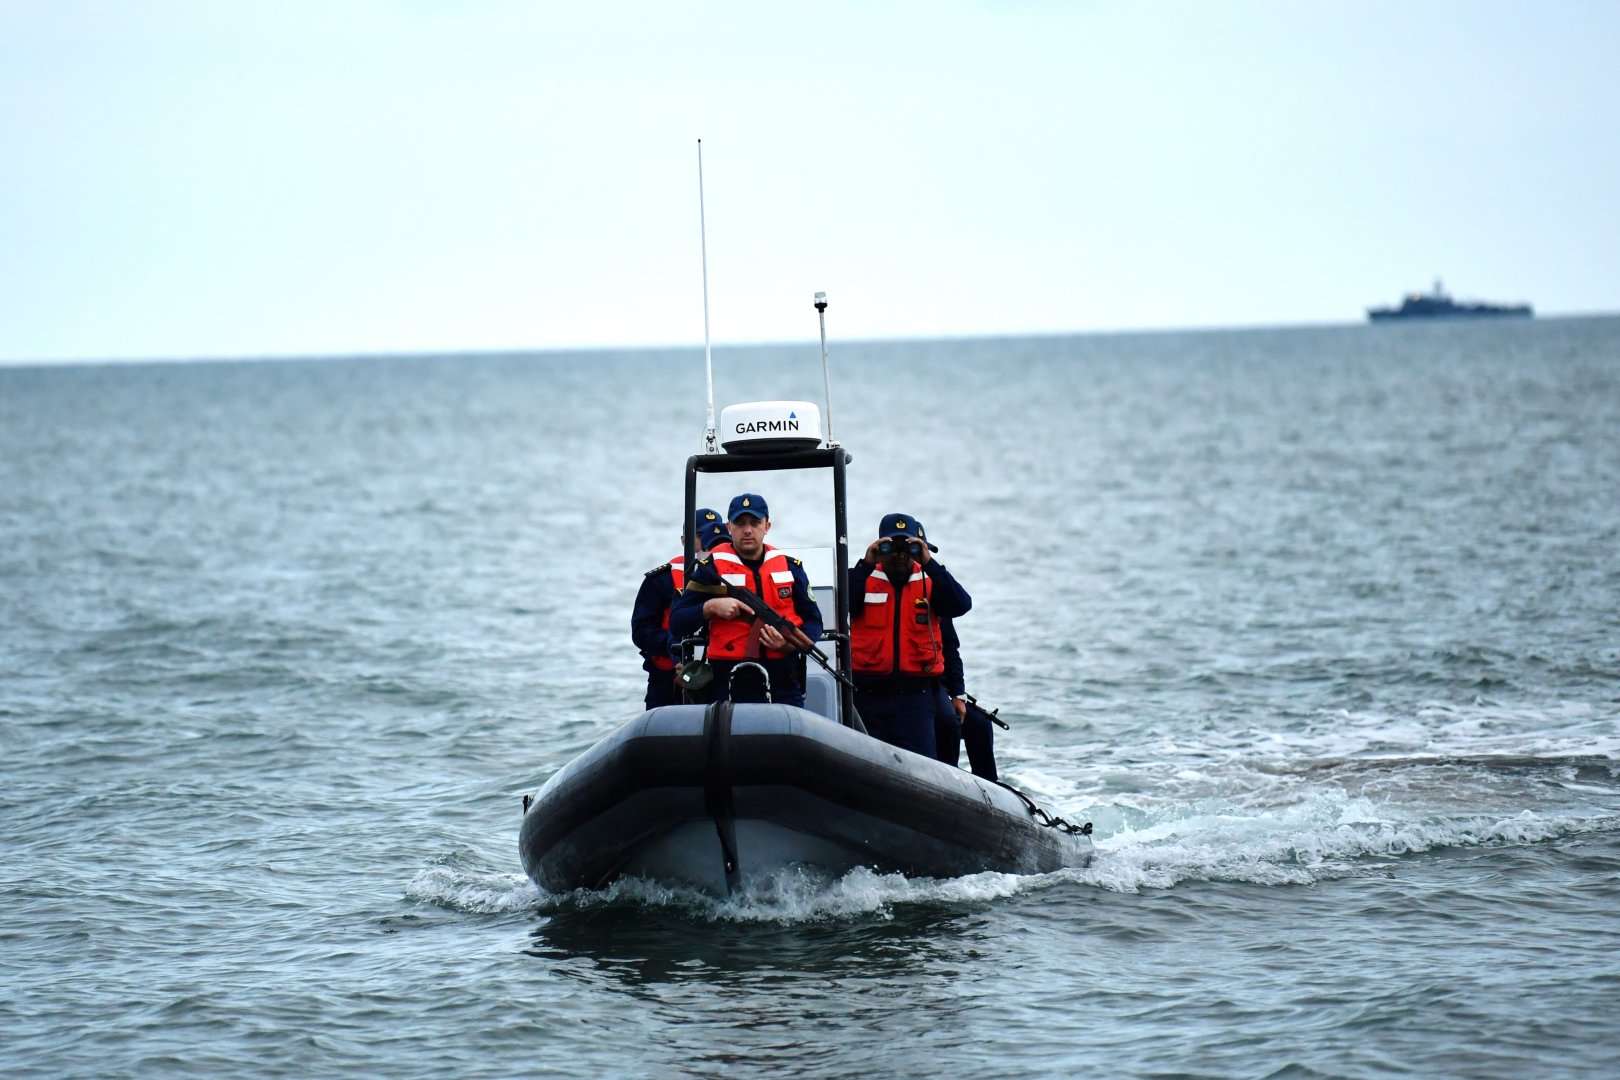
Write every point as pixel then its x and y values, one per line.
pixel 649 620
pixel 735 635
pixel 899 595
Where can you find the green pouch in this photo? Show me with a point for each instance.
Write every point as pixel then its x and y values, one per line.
pixel 696 675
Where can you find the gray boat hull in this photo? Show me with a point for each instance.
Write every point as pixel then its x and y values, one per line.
pixel 714 797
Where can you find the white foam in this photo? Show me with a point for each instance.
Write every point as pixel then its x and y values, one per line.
pixel 1560 728
pixel 797 896
pixel 1326 836
pixel 475 893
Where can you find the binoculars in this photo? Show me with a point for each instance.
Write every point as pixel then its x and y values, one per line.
pixel 889 545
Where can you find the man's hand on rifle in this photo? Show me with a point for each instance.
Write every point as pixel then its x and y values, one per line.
pixel 786 637
pixel 726 607
pixel 783 637
pixel 797 639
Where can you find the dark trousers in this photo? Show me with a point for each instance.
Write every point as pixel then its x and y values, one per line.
pixel 661 689
pixel 902 718
pixel 973 729
pixel 787 681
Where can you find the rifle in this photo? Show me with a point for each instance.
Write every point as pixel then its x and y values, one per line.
pixel 797 639
pixel 989 714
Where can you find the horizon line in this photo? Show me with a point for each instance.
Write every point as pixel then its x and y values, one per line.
pixel 541 350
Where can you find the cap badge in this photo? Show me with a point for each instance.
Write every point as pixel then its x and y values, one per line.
pixel 899 524
pixel 747 503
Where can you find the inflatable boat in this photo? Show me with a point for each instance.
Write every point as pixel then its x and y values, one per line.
pixel 721 795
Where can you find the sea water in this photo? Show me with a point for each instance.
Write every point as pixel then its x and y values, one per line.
pixel 1318 626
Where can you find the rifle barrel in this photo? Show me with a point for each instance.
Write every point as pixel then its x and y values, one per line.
pixel 974 706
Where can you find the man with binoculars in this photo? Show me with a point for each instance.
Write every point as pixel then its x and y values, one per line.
pixel 898 594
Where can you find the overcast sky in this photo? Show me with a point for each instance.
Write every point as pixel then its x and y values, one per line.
pixel 187 178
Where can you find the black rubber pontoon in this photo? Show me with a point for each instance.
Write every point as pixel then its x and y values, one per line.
pixel 716 796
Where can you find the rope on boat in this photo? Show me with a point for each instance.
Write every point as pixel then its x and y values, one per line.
pixel 1044 819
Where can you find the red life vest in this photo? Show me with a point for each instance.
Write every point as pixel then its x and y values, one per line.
pixel 677 574
pixel 738 639
pixel 896 633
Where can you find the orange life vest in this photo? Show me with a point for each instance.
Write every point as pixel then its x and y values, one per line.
pixel 738 639
pixel 677 574
pixel 896 633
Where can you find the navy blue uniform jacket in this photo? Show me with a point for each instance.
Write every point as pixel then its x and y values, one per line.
pixel 655 596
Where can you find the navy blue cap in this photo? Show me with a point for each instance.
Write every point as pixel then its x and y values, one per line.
pixel 703 519
pixel 903 525
pixel 748 503
pixel 713 533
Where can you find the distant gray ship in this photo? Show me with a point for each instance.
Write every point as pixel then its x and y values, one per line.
pixel 1439 305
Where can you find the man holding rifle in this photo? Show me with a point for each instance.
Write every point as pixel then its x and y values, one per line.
pixel 736 634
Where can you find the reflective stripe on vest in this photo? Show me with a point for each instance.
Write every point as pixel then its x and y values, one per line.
pixel 731 639
pixel 888 618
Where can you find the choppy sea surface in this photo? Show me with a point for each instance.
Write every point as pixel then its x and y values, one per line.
pixel 1319 626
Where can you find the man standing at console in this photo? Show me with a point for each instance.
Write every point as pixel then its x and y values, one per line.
pixel 898 595
pixel 735 635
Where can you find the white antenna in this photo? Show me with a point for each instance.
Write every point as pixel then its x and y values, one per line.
pixel 708 355
pixel 826 377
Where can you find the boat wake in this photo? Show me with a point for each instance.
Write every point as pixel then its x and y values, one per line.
pixel 1325 836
